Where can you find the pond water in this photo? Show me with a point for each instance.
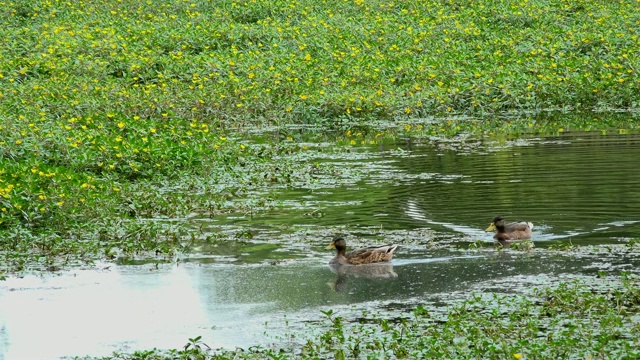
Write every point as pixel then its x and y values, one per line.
pixel 435 198
pixel 583 187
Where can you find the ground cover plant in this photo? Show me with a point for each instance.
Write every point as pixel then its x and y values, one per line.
pixel 115 113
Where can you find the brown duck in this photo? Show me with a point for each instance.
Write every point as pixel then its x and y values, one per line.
pixel 506 233
pixel 367 255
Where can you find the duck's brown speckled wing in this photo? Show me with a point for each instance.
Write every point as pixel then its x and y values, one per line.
pixel 371 254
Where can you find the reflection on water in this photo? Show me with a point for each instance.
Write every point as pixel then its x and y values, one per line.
pixel 579 187
pixel 380 271
pixel 368 271
pixel 96 312
pixel 92 312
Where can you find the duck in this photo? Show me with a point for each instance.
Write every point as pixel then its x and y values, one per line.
pixel 368 255
pixel 507 233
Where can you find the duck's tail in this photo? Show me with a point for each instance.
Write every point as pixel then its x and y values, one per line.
pixel 389 249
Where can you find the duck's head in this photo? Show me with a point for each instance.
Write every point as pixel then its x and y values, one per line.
pixel 337 243
pixel 498 222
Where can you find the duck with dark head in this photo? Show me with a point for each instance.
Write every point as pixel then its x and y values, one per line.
pixel 367 255
pixel 508 232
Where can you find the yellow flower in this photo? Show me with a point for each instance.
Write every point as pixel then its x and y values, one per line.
pixel 517 356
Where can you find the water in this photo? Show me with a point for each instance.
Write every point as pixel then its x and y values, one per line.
pixel 583 187
pixel 434 199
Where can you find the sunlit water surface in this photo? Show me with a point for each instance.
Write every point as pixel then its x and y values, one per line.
pixel 582 189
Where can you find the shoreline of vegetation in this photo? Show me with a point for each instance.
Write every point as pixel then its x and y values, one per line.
pixel 114 113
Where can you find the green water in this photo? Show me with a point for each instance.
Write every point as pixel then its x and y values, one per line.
pixel 582 187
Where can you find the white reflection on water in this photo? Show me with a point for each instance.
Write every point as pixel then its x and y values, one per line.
pixel 98 312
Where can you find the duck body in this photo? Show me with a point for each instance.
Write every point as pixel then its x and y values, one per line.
pixel 369 255
pixel 511 231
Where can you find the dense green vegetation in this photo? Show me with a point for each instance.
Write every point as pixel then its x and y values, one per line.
pixel 116 112
pixel 118 115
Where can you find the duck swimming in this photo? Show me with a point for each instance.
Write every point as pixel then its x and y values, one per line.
pixel 506 233
pixel 367 255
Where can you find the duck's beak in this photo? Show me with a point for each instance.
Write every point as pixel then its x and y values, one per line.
pixel 331 246
pixel 491 227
